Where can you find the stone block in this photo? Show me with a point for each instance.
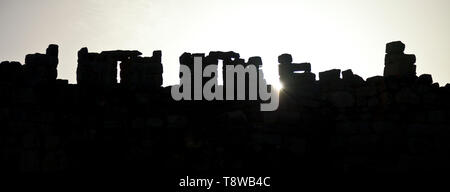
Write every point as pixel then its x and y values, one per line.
pixel 396 47
pixel 285 59
pixel 425 79
pixel 330 75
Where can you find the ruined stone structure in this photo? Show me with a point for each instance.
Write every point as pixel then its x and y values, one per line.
pixel 390 124
pixel 396 62
pixel 142 71
pixel 228 59
pixel 11 72
pixel 289 72
pixel 100 69
pixel 39 69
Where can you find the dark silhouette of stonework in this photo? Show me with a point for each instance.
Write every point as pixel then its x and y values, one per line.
pixel 396 62
pixel 393 123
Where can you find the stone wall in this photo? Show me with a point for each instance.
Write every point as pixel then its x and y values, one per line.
pixel 393 123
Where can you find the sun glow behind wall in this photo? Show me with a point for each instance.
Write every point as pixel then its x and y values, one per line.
pixel 345 34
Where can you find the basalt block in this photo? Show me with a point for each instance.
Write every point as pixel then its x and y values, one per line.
pixel 10 72
pixel 304 78
pixel 330 75
pixel 120 55
pixel 142 71
pixel 96 69
pixel 157 56
pixel 289 69
pixel 285 59
pixel 255 61
pixel 397 63
pixel 41 68
pixel 230 55
pixel 396 47
pixel 400 59
pixel 425 79
pixel 52 50
pixel 400 70
pixel 347 74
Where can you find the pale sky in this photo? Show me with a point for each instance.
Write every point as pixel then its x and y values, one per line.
pixel 343 34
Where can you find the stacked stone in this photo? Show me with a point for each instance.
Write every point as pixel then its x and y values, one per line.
pixel 121 55
pixel 352 80
pixel 290 74
pixel 143 72
pixel 370 126
pixel 100 69
pixel 11 72
pixel 41 69
pixel 338 91
pixel 330 75
pixel 96 69
pixel 228 58
pixel 397 63
pixel 225 56
pixel 331 81
pixel 299 89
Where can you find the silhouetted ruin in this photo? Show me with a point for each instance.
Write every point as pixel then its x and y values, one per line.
pixel 39 69
pixel 396 63
pixel 393 123
pixel 289 75
pixel 142 71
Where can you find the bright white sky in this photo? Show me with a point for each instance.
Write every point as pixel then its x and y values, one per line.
pixel 344 34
